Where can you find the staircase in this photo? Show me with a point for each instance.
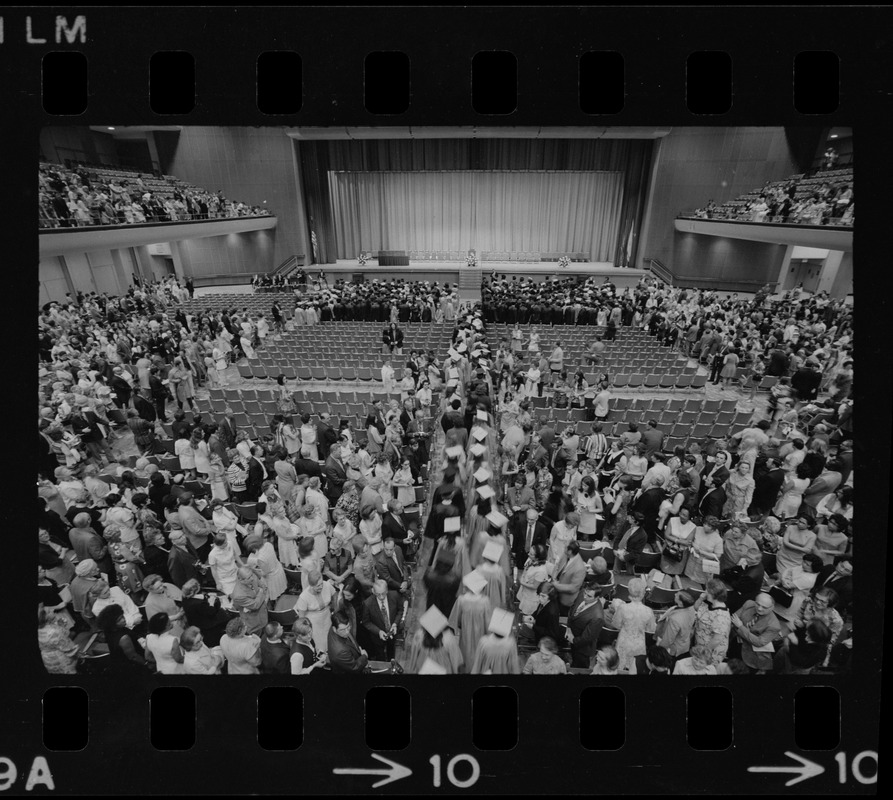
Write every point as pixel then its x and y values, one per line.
pixel 470 284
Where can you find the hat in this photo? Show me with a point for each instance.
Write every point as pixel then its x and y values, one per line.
pixel 478 450
pixel 483 474
pixel 84 567
pixel 479 433
pixel 455 451
pixel 493 551
pixel 454 354
pixel 482 415
pixel 501 622
pixel 451 524
pixel 431 667
pixel 497 519
pixel 433 621
pixel 474 582
pixel 485 491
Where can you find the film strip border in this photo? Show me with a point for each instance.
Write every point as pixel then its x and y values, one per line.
pixel 352 736
pixel 549 48
pixel 356 66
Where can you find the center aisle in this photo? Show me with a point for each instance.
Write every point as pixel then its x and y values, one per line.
pixel 466 369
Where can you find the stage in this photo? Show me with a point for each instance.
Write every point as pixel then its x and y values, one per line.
pixel 449 271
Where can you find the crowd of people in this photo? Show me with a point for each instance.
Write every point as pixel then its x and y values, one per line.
pixel 828 204
pixel 750 538
pixel 543 551
pixel 805 341
pixel 80 196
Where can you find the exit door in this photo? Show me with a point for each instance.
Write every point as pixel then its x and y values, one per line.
pixel 807 272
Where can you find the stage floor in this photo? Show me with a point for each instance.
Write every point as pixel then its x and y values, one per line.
pixel 449 271
pixel 486 267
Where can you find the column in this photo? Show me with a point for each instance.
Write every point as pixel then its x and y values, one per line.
pixel 843 283
pixel 784 272
pixel 830 269
pixel 181 267
pixel 153 151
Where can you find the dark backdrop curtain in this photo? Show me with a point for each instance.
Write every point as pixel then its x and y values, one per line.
pixel 314 178
pixel 635 186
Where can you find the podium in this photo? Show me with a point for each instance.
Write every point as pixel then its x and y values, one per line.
pixel 393 258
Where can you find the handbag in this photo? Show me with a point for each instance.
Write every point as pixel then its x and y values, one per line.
pixel 673 552
pixel 781 596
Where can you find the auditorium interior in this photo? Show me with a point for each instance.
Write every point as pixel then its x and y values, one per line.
pixel 443 291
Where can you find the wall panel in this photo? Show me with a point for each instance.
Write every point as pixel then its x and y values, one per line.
pixel 250 165
pixel 699 164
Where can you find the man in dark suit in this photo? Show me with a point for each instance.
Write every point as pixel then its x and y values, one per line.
pixel 526 531
pixel 570 572
pixel 257 474
pixel 768 485
pixel 159 393
pixel 343 653
pixel 838 577
pixel 325 434
pixel 382 618
pixel 712 502
pixel 584 624
pixel 391 568
pixel 717 472
pixel 393 526
pixel 228 429
pixel 336 474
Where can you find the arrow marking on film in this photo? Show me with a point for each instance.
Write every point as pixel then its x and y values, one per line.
pixel 394 771
pixel 807 769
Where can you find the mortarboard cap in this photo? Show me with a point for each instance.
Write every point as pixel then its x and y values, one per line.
pixel 501 622
pixel 493 551
pixel 451 524
pixel 479 433
pixel 485 491
pixel 474 582
pixel 483 474
pixel 433 621
pixel 497 519
pixel 477 450
pixel 455 451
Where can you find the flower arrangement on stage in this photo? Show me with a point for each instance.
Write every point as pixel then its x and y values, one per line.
pixel 362 258
pixel 471 260
pixel 564 262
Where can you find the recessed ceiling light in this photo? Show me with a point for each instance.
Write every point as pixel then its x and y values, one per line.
pixel 833 135
pixel 111 129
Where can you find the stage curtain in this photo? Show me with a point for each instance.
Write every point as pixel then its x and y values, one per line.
pixel 314 157
pixel 523 212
